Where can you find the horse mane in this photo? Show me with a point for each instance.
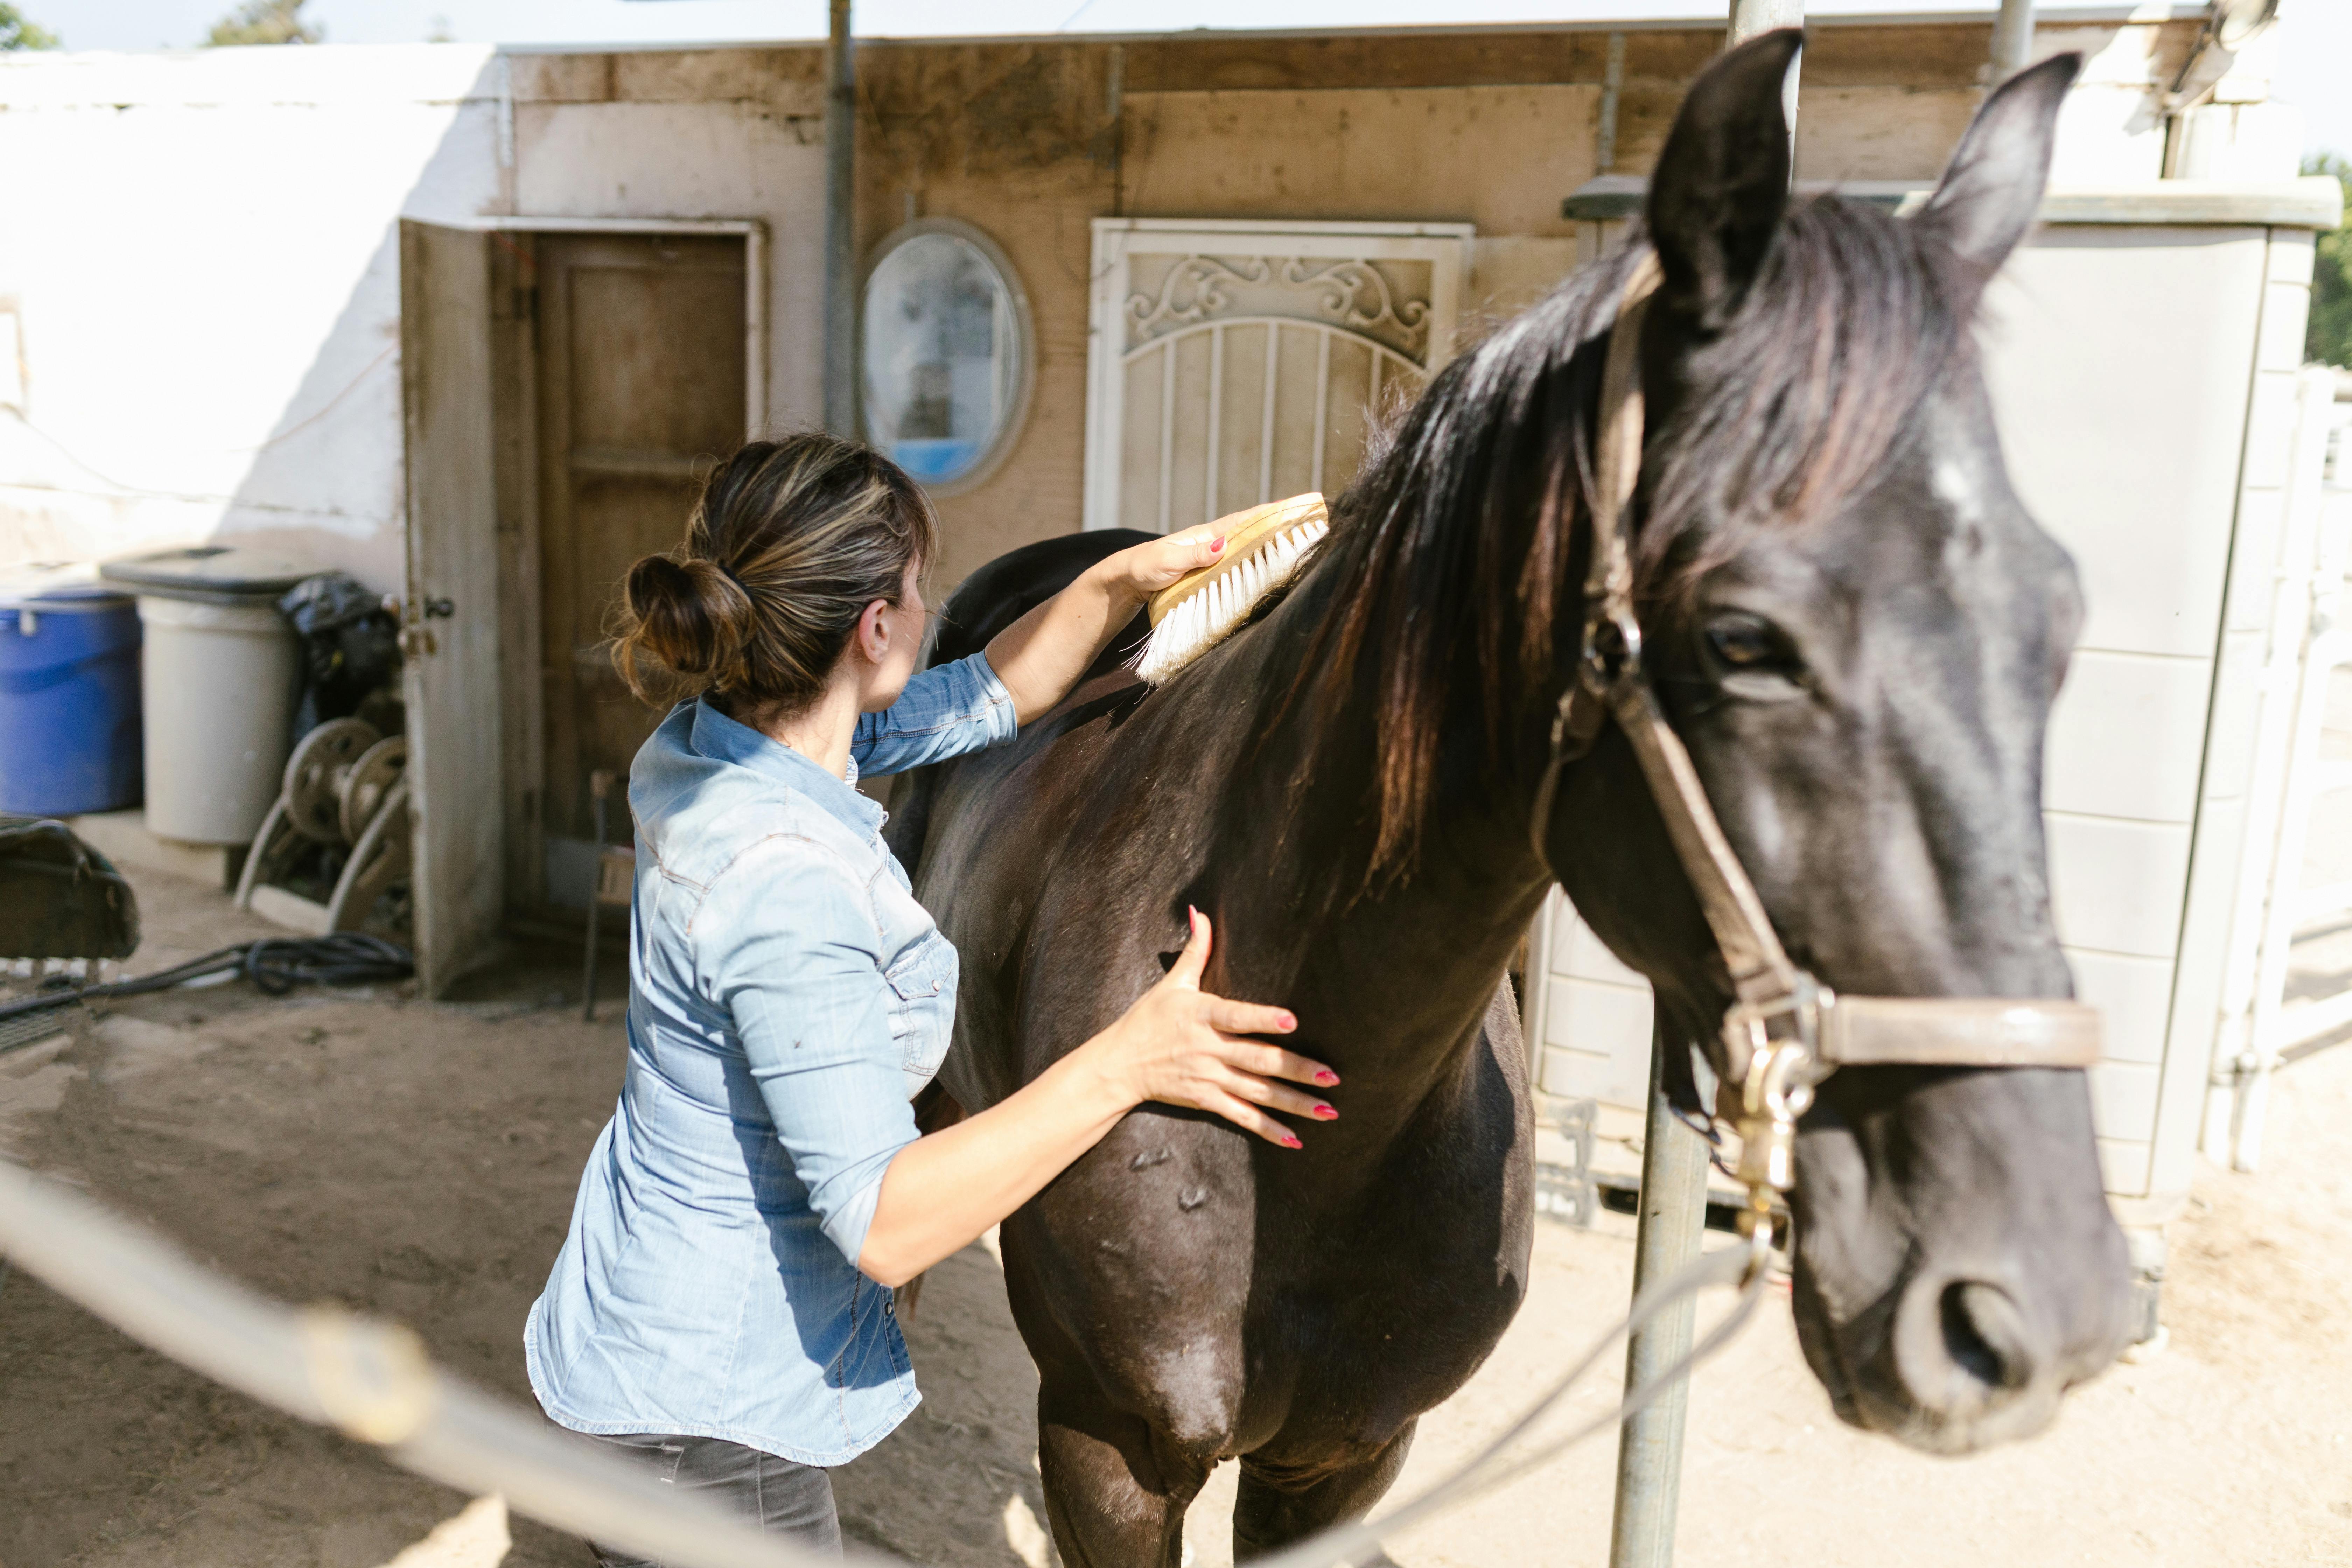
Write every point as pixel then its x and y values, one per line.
pixel 1462 527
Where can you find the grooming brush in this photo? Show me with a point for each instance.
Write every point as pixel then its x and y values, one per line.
pixel 1265 547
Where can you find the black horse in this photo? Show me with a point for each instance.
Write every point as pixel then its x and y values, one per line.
pixel 1858 632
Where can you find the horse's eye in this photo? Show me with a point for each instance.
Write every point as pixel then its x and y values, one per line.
pixel 1743 644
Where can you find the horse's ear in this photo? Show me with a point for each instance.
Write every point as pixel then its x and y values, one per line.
pixel 1992 188
pixel 1722 181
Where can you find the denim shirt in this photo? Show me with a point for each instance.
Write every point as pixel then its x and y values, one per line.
pixel 787 998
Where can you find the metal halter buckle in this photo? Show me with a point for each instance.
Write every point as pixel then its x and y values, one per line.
pixel 1773 1051
pixel 1613 651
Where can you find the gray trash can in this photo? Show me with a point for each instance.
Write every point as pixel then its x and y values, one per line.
pixel 219 674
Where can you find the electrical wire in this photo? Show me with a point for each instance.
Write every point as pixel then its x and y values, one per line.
pixel 276 965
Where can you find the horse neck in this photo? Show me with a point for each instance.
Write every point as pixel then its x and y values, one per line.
pixel 1402 970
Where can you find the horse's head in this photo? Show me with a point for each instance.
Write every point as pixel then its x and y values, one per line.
pixel 1858 631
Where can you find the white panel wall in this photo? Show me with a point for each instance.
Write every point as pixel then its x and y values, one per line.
pixel 201 247
pixel 2130 368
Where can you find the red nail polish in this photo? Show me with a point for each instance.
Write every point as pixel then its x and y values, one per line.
pixel 1290 1021
pixel 1325 1077
pixel 1325 1113
pixel 1290 1140
pixel 1216 546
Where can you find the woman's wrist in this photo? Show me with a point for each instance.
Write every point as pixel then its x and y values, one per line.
pixel 1115 577
pixel 1101 1079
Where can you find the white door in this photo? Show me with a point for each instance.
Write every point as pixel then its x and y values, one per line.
pixel 450 618
pixel 1235 363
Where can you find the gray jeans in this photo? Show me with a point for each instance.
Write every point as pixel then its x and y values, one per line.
pixel 778 1495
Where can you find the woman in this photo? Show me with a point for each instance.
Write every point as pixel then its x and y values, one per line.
pixel 721 1308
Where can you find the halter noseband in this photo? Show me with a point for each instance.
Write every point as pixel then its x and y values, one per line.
pixel 1785 1031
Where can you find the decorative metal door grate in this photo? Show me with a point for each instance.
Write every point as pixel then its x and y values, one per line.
pixel 1236 363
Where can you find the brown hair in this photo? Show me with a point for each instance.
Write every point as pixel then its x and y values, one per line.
pixel 788 543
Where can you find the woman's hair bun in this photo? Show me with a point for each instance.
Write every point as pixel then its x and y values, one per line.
pixel 788 543
pixel 684 624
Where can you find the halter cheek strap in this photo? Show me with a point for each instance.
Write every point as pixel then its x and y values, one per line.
pixel 1785 1031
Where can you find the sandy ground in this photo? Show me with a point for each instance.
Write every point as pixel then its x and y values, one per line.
pixel 419 1160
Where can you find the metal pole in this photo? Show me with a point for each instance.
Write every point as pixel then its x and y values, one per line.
pixel 840 237
pixel 1674 1174
pixel 1749 18
pixel 1674 1217
pixel 2012 39
pixel 600 790
pixel 1612 93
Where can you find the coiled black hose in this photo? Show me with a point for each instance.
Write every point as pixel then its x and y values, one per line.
pixel 274 964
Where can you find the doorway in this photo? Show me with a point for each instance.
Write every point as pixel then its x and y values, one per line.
pixel 565 382
pixel 640 379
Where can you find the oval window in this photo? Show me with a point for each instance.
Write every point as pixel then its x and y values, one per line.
pixel 944 371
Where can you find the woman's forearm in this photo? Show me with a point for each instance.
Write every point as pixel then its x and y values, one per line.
pixel 1041 655
pixel 942 1190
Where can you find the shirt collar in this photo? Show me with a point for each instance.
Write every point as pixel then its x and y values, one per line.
pixel 725 740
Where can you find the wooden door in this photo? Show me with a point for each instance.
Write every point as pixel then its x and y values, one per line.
pixel 1235 363
pixel 641 379
pixel 450 613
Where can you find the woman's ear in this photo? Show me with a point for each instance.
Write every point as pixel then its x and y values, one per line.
pixel 874 630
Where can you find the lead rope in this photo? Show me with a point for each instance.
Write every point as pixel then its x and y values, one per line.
pixel 1494 1466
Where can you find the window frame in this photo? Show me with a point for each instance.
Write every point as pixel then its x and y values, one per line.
pixel 1025 367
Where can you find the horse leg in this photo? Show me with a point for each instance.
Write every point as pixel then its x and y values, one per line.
pixel 1114 1497
pixel 1281 1503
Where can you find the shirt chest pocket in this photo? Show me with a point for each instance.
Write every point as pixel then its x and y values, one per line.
pixel 922 1005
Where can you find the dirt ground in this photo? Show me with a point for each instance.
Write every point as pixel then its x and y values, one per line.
pixel 419 1160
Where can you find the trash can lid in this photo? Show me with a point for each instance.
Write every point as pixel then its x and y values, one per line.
pixel 57 586
pixel 208 573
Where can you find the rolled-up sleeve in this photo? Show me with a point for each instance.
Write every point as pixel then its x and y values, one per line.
pixel 796 968
pixel 944 712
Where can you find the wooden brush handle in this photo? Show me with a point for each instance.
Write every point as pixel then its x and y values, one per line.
pixel 1245 531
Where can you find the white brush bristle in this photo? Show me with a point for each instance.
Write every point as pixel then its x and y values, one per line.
pixel 1212 614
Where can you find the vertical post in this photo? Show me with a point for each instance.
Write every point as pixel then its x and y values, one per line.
pixel 1674 1174
pixel 1749 18
pixel 2012 39
pixel 1612 93
pixel 840 236
pixel 1115 113
pixel 1674 1216
pixel 600 790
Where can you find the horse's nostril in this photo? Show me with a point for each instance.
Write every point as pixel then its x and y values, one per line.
pixel 1984 1335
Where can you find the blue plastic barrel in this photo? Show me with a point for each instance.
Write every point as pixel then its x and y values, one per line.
pixel 68 693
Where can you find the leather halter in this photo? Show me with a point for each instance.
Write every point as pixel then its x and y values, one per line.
pixel 1785 1031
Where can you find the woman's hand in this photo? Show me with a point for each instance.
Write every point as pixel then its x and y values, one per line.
pixel 1181 1046
pixel 1176 1044
pixel 1142 570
